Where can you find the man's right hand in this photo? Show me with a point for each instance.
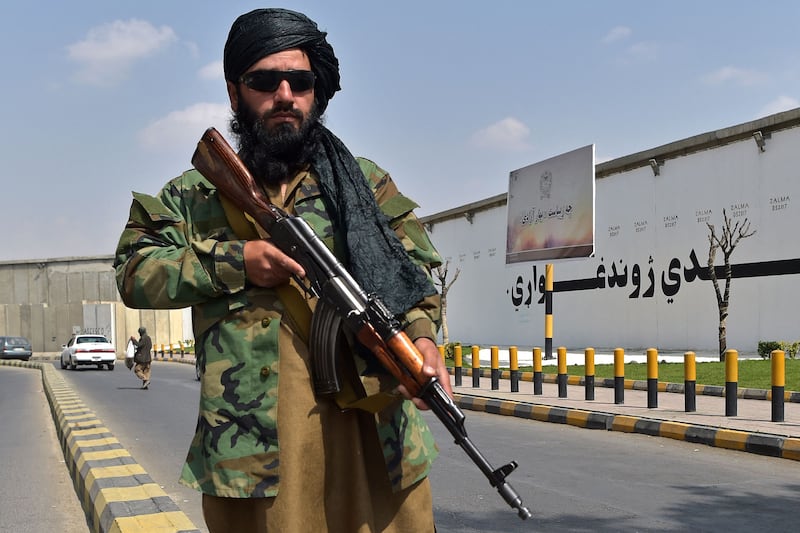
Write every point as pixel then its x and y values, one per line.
pixel 265 265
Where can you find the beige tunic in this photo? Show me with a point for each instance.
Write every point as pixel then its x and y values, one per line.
pixel 338 482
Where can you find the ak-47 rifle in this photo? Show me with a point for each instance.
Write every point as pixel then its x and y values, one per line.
pixel 364 315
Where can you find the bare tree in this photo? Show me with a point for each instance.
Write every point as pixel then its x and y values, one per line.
pixel 444 286
pixel 726 242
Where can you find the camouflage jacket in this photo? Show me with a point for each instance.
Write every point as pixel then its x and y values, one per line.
pixel 179 250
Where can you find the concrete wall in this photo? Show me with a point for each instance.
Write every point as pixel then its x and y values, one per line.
pixel 47 300
pixel 642 286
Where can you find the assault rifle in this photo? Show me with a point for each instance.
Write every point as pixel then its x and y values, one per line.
pixel 362 314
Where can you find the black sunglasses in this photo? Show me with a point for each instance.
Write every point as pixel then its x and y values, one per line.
pixel 267 81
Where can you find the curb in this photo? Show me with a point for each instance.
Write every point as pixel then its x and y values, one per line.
pixel 758 443
pixel 116 493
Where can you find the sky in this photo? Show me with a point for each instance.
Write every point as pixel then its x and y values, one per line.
pixel 100 98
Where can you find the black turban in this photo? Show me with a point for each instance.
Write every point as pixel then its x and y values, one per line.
pixel 262 32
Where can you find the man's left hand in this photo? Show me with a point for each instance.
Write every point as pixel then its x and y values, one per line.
pixel 432 366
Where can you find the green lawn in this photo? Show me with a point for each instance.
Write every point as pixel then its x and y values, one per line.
pixel 753 373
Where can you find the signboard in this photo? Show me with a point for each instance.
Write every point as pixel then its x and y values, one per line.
pixel 551 208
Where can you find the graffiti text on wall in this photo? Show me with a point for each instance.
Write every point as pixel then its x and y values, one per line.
pixel 642 282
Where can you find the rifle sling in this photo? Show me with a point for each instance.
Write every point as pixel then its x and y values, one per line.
pixel 300 313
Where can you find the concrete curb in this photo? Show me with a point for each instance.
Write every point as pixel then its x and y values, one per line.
pixel 116 493
pixel 759 443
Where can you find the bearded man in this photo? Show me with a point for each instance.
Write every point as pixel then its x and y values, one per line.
pixel 269 455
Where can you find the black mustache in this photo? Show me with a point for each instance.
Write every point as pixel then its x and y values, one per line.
pixel 296 113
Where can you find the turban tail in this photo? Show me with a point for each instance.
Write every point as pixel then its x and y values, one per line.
pixel 262 32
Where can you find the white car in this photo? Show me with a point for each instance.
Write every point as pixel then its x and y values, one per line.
pixel 88 350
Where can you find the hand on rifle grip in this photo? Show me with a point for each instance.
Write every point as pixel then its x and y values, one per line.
pixel 267 266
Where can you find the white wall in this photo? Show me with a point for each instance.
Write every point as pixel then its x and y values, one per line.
pixel 653 222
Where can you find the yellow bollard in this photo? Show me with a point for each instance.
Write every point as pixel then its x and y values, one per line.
pixel 588 355
pixel 495 362
pixel 476 366
pixel 458 356
pixel 619 375
pixel 513 362
pixel 778 360
pixel 689 382
pixel 731 381
pixel 440 347
pixel 652 378
pixel 537 371
pixel 561 378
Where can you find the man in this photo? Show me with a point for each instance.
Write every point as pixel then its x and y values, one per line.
pixel 268 454
pixel 142 357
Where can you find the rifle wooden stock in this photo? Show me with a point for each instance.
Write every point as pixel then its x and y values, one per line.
pixel 216 160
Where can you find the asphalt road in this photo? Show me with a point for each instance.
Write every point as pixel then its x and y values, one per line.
pixel 572 479
pixel 36 491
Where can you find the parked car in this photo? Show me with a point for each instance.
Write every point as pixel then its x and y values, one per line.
pixel 15 348
pixel 88 350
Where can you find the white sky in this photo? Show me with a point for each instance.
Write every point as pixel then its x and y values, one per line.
pixel 101 98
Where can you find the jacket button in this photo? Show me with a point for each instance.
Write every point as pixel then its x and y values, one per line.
pixel 265 322
pixel 265 371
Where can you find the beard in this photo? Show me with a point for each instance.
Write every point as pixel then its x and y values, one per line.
pixel 275 154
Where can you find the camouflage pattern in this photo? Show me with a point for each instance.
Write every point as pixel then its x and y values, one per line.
pixel 178 250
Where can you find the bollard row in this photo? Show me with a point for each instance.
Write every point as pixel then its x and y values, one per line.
pixel 777 393
pixel 171 350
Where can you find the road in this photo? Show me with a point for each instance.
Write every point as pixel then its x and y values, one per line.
pixel 572 479
pixel 36 491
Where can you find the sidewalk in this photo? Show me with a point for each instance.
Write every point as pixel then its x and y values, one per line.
pixel 751 430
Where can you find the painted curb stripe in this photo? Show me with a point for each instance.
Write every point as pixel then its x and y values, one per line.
pixel 163 521
pixel 541 413
pixel 764 445
pixel 734 440
pixel 624 423
pixel 113 511
pixel 758 443
pixel 791 449
pixel 701 435
pixel 647 427
pixel 673 430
